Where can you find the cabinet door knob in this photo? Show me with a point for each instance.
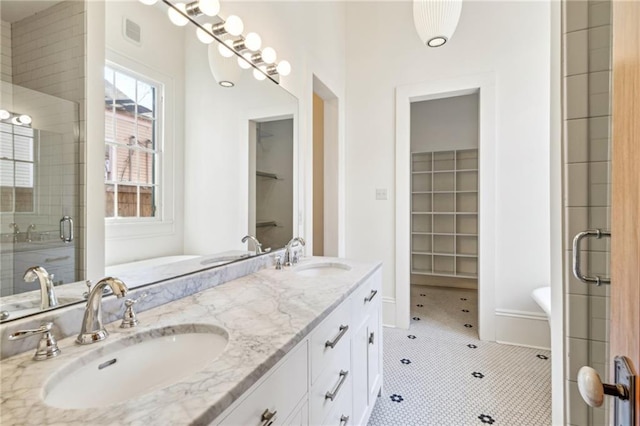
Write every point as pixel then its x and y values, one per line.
pixel 371 336
pixel 344 420
pixel 268 417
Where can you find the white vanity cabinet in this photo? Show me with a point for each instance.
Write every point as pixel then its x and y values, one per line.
pixel 366 345
pixel 276 396
pixel 332 377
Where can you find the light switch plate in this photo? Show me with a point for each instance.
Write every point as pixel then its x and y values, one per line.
pixel 381 193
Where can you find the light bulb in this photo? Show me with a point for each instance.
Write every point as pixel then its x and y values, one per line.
pixel 176 17
pixel 4 114
pixel 233 25
pixel 253 42
pixel 243 64
pixel 25 119
pixel 437 41
pixel 284 68
pixel 204 36
pixel 226 49
pixel 269 55
pixel 259 75
pixel 149 2
pixel 209 7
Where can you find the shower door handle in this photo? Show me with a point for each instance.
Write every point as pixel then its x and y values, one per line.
pixel 577 272
pixel 67 237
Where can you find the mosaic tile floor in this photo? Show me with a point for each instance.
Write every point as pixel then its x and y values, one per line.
pixel 439 373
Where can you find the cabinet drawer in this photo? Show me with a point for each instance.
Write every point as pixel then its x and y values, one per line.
pixel 280 392
pixel 328 338
pixel 333 381
pixel 368 296
pixel 341 414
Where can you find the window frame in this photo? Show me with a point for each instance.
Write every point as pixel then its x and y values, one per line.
pixel 163 223
pixel 34 137
pixel 157 151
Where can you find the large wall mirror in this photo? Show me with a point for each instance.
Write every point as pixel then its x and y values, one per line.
pixel 190 166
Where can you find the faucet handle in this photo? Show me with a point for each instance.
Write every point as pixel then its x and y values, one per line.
pixel 105 291
pixel 278 263
pixel 47 346
pixel 129 319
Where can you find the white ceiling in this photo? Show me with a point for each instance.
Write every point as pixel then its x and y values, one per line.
pixel 16 10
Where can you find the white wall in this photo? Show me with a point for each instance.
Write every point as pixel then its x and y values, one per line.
pixel 510 39
pixel 445 124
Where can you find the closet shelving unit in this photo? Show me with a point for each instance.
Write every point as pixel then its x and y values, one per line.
pixel 444 213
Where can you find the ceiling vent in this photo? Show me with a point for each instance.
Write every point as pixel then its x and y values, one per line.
pixel 132 31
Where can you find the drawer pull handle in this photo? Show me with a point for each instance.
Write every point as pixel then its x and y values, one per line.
pixel 344 420
pixel 371 296
pixel 371 336
pixel 330 344
pixel 343 378
pixel 268 417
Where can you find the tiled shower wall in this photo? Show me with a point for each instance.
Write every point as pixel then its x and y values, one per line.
pixel 587 200
pixel 5 51
pixel 48 55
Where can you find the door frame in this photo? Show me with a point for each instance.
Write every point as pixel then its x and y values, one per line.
pixel 484 85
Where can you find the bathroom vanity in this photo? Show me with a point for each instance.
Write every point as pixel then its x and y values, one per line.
pixel 298 346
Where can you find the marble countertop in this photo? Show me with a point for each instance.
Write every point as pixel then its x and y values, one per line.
pixel 266 314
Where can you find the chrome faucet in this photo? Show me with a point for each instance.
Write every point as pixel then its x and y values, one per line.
pixel 48 297
pixel 292 259
pixel 30 230
pixel 92 329
pixel 256 243
pixel 16 231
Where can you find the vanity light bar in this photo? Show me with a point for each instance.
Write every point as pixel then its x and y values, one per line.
pixel 15 118
pixel 233 26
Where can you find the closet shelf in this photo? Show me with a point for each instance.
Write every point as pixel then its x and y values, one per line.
pixel 266 224
pixel 267 175
pixel 444 213
pixel 449 213
pixel 443 233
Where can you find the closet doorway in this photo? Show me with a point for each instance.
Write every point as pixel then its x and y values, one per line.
pixel 474 245
pixel 444 192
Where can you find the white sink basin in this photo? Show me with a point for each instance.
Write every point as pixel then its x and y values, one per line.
pixel 135 366
pixel 322 269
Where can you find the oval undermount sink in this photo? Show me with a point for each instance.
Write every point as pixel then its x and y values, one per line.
pixel 322 269
pixel 135 366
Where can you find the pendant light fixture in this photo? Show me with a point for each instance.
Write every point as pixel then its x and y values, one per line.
pixel 436 20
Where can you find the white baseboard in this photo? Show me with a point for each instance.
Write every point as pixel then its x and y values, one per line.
pixel 388 312
pixel 521 328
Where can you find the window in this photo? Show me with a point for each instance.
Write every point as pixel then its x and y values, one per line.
pixel 133 147
pixel 17 168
